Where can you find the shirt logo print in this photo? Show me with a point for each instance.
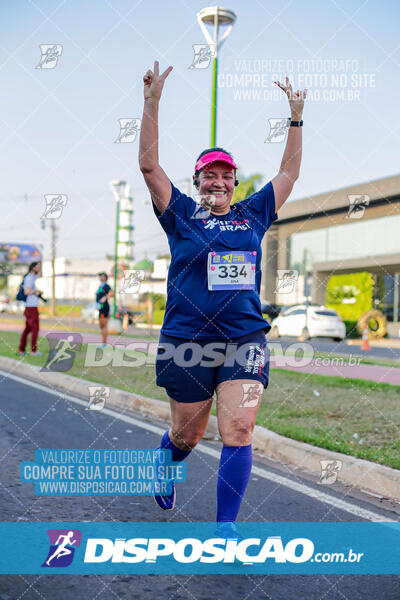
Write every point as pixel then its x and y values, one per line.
pixel 226 225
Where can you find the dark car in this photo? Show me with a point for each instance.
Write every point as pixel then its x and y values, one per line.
pixel 389 313
pixel 271 310
pixel 127 313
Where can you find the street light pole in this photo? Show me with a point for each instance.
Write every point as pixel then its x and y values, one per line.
pixel 53 268
pixel 216 17
pixel 116 188
pixel 116 259
pixel 214 104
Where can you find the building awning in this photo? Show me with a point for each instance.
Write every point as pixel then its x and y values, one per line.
pixel 382 265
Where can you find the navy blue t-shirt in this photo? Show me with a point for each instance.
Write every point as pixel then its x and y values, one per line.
pixel 192 311
pixel 102 291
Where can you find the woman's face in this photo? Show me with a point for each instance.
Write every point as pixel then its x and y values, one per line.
pixel 218 179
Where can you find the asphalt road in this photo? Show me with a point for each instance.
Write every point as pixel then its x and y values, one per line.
pixel 31 418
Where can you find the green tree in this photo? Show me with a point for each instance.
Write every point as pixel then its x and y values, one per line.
pixel 246 187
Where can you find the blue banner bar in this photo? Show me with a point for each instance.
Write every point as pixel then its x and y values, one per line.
pixel 287 548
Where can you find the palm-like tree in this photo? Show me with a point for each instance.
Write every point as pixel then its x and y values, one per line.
pixel 246 187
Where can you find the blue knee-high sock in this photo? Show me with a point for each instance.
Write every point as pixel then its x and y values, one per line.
pixel 177 453
pixel 233 476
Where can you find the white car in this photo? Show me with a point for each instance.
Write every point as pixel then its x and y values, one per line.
pixel 319 321
pixel 90 313
pixel 17 307
pixel 4 303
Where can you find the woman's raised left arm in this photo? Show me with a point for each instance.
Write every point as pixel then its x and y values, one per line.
pixel 290 166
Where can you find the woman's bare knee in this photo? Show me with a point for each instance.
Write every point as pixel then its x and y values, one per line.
pixel 189 422
pixel 237 405
pixel 237 432
pixel 185 440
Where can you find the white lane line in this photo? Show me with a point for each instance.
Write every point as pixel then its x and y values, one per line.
pixel 260 471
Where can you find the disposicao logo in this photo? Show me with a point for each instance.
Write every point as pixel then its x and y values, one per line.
pixel 190 550
pixel 62 547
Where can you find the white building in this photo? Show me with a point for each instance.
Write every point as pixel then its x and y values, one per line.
pixel 76 278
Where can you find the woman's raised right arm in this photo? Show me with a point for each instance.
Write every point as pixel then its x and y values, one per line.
pixel 156 180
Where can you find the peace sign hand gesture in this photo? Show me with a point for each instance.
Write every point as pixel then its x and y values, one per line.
pixel 296 99
pixel 154 82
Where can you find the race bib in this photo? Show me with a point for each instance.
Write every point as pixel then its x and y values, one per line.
pixel 231 270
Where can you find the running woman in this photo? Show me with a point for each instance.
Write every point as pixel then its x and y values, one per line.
pixel 104 292
pixel 213 297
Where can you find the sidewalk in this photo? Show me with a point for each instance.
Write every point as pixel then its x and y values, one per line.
pixel 380 374
pixel 383 343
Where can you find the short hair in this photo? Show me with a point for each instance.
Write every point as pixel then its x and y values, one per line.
pixel 216 149
pixel 103 274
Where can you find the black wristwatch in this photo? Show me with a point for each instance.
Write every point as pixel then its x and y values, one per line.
pixel 295 123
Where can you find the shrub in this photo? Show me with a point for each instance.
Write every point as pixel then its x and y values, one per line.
pixel 350 294
pixel 351 329
pixel 159 302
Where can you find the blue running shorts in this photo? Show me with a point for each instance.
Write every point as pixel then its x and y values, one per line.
pixel 190 370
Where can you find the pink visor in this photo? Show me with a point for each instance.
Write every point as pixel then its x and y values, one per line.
pixel 215 156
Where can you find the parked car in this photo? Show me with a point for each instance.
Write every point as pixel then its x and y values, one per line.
pixel 17 307
pixel 271 310
pixel 319 321
pixel 4 303
pixel 90 313
pixel 389 313
pixel 133 315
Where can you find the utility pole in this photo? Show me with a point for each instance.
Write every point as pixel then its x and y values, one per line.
pixel 396 298
pixel 53 267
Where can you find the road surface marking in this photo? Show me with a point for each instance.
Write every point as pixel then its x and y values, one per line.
pixel 260 471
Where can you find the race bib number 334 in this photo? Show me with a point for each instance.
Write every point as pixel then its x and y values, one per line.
pixel 231 270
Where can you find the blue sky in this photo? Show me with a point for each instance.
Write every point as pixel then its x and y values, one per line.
pixel 58 126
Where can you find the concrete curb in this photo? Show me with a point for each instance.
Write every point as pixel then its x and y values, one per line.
pixel 363 474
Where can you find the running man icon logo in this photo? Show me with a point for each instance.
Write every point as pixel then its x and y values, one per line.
pixel 203 53
pixel 204 203
pixel 357 205
pixel 287 280
pixel 128 130
pixel 278 129
pixel 131 283
pixel 98 395
pixel 251 394
pixel 329 471
pixel 228 257
pixel 54 206
pixel 62 351
pixel 50 55
pixel 62 547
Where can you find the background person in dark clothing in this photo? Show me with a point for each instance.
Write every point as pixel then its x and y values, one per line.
pixel 103 293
